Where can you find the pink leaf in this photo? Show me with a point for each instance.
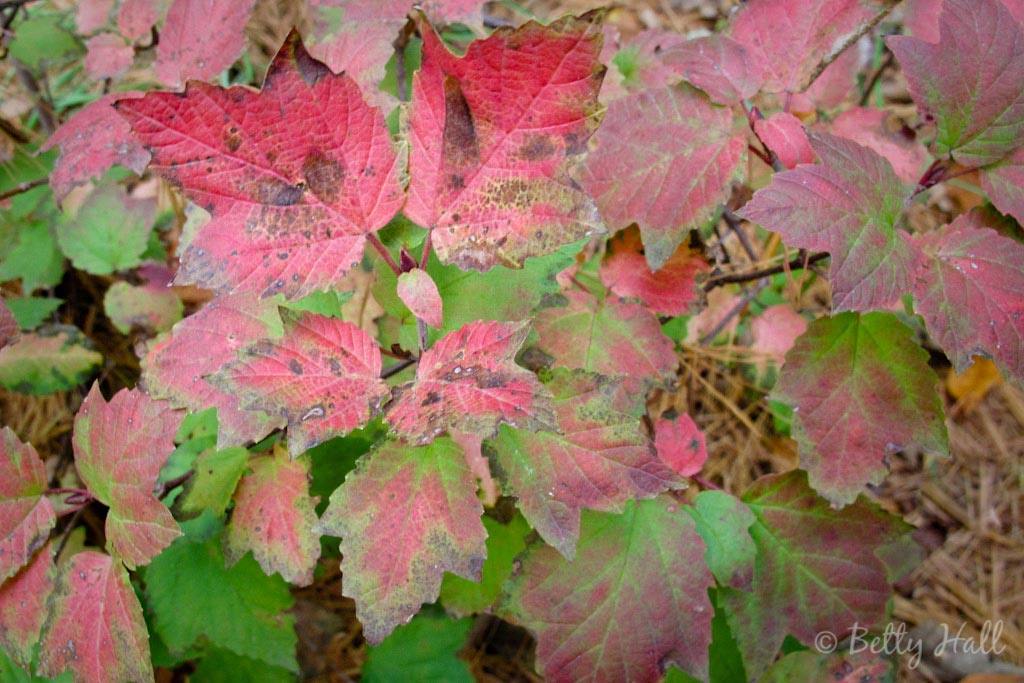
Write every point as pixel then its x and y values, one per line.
pixel 446 12
pixel 1004 184
pixel 875 129
pixel 200 38
pixel 405 516
pixel 9 329
pixel 639 64
pixel 176 367
pixel 681 445
pixel 295 176
pixel 120 447
pixel 322 376
pixel 774 331
pixel 784 134
pixel 108 57
pixel 968 291
pixel 274 517
pixel 469 382
pixel 493 135
pixel 847 205
pixel 26 516
pixel 417 290
pixel 719 66
pixel 472 444
pixel 95 626
pixel 137 17
pixel 663 159
pixel 971 82
pixel 92 15
pixel 23 607
pixel 91 141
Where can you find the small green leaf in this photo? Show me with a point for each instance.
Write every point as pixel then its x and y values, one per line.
pixel 224 666
pixel 110 231
pixel 422 650
pixel 504 541
pixel 41 41
pixel 723 522
pixel 30 253
pixel 31 311
pixel 210 488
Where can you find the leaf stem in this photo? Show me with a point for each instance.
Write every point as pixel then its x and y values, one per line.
pixel 875 77
pixel 172 484
pixel 704 483
pixel 384 253
pixel 397 367
pixel 748 296
pixel 22 188
pixel 733 221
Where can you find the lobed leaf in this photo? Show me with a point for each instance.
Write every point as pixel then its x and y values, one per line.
pixel 110 231
pixel 877 130
pixel 150 306
pixel 26 515
pixel 718 65
pixel 422 650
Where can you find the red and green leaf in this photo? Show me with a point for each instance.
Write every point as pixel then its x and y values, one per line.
pixel 860 388
pixel 598 459
pixel 633 601
pixel 295 176
pixel 23 607
pixel 405 516
pixel 493 135
pixel 469 382
pixel 418 291
pixel 26 516
pixel 120 447
pixel 723 521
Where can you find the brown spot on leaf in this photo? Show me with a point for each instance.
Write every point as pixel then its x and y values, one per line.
pixel 233 142
pixel 461 145
pixel 432 398
pixel 295 366
pixel 537 147
pixel 323 176
pixel 277 192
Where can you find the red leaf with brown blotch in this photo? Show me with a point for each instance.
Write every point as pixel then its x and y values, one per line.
pixel 680 445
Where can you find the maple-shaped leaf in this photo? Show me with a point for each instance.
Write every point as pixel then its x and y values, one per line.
pixel 663 159
pixel 274 517
pixel 784 134
pixel 109 232
pixel 200 38
pixel 493 135
pixel 93 140
pixel 860 387
pixel 878 130
pixel 418 291
pixel 1003 182
pixel 968 291
pixel 847 205
pixel 23 607
pixel 971 82
pixel 816 569
pixel 638 588
pixel 120 447
pixel 322 376
pixel 26 516
pixel 405 516
pixel 791 39
pixel 295 176
pixel 598 459
pixel 176 367
pixel 718 65
pixel 680 445
pixel 109 56
pixel 610 337
pixel 95 626
pixel 672 290
pixel 469 382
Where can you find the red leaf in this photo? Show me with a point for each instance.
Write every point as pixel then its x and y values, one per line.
pixel 295 176
pixel 95 626
pixel 976 96
pixel 92 15
pixel 774 332
pixel 597 460
pixel 108 57
pixel 417 290
pixel 322 376
pixel 1004 184
pixel 405 516
pixel 681 445
pixel 784 134
pixel 274 517
pixel 9 329
pixel 672 290
pixel 719 66
pixel 610 337
pixel 200 38
pixel 26 516
pixel 791 38
pixel 91 141
pixel 120 447
pixel 137 17
pixel 968 291
pixel 469 382
pixel 873 128
pixel 663 159
pixel 847 205
pixel 639 64
pixel 632 602
pixel 492 137
pixel 177 366
pixel 860 387
pixel 23 607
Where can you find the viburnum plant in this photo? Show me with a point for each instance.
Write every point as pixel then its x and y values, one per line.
pixel 538 222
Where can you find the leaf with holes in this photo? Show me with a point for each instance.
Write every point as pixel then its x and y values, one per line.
pixel 322 376
pixel 969 293
pixel 469 382
pixel 23 606
pixel 847 205
pixel 200 38
pixel 680 445
pixel 295 176
pixel 26 516
pixel 598 459
pixel 493 135
pixel 95 626
pixel 177 366
pixel 860 388
pixel 971 82
pixel 633 601
pixel 663 159
pixel 120 447
pixel 406 515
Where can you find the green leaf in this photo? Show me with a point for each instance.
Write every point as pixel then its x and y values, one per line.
pixel 327 303
pixel 216 475
pixel 12 673
pixel 38 364
pixel 31 311
pixel 422 650
pixel 723 522
pixel 30 253
pixel 40 41
pixel 504 541
pixel 110 231
pixel 224 666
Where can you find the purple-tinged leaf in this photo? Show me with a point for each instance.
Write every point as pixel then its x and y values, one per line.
pixel 847 205
pixel 1003 182
pixel 680 445
pixel 152 306
pixel 200 38
pixel 860 388
pixel 136 18
pixel 23 607
pixel 120 447
pixel 718 65
pixel 784 134
pixel 26 516
pixel 875 129
pixel 638 64
pixel 405 516
pixel 108 56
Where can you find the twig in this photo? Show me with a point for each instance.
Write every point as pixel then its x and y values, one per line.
pixel 22 188
pixel 172 484
pixel 832 56
pixel 875 77
pixel 12 131
pixel 732 278
pixel 748 296
pixel 67 530
pixel 383 251
pixel 733 221
pixel 397 367
pixel 43 107
pixel 704 483
pixel 401 78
